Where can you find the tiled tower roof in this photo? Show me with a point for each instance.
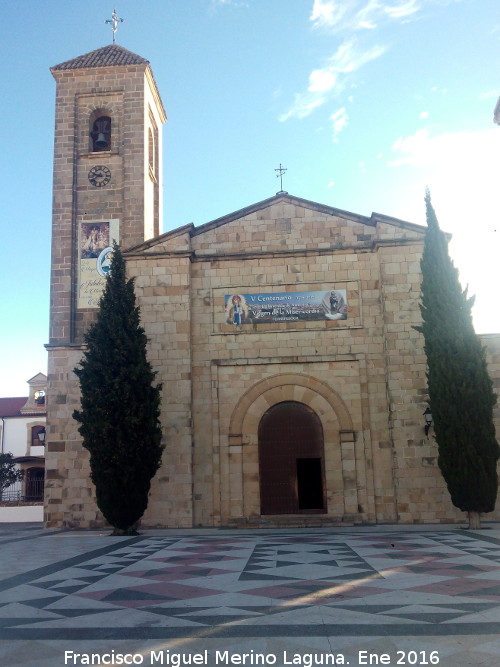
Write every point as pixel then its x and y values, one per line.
pixel 107 56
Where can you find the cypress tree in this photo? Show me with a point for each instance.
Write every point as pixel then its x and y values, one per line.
pixel 460 390
pixel 120 407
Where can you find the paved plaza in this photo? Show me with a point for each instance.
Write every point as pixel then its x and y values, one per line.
pixel 386 595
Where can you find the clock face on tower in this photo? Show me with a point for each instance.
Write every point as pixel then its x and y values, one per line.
pixel 99 176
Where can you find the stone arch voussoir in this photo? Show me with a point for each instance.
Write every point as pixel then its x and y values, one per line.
pixel 283 387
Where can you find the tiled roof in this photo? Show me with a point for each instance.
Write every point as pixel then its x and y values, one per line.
pixel 109 56
pixel 10 407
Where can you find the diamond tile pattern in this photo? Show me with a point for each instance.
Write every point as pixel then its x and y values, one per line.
pixel 439 583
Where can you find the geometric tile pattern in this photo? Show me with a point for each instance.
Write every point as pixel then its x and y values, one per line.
pixel 277 586
pixel 437 583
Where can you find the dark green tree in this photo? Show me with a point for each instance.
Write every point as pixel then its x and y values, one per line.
pixel 120 407
pixel 461 393
pixel 9 472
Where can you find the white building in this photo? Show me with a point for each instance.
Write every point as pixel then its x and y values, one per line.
pixel 22 433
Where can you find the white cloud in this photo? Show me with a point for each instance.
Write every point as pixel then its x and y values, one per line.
pixel 321 80
pixel 459 167
pixel 437 89
pixel 424 114
pixel 349 18
pixel 461 170
pixel 402 9
pixel 328 13
pixel 452 150
pixel 349 58
pixel 361 14
pixel 339 119
pixel 489 95
pixel 304 104
pixel 328 80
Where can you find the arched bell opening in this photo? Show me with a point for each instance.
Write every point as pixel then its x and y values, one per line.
pixel 100 132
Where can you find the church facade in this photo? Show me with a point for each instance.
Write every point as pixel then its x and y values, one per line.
pixel 294 381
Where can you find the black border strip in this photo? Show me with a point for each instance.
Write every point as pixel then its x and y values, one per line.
pixel 27 577
pixel 254 632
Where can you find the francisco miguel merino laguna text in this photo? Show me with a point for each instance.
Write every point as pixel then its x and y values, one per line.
pixel 202 658
pixel 417 658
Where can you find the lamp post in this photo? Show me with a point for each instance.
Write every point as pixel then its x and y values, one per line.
pixel 41 435
pixel 428 420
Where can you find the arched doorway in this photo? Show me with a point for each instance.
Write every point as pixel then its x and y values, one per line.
pixel 35 480
pixel 291 460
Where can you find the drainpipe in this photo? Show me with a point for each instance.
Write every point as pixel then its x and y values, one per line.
pixel 3 431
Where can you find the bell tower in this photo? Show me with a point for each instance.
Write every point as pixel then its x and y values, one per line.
pixel 107 187
pixel 107 176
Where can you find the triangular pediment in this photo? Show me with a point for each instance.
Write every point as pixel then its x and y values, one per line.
pixel 39 378
pixel 312 206
pixel 284 218
pixel 283 198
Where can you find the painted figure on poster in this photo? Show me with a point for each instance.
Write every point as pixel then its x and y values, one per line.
pixel 338 307
pixel 96 251
pixel 104 261
pixel 238 309
pixel 94 238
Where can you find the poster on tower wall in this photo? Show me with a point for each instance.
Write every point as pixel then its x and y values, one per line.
pixel 95 249
pixel 243 309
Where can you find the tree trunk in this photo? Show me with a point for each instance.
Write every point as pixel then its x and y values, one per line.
pixel 474 520
pixel 119 532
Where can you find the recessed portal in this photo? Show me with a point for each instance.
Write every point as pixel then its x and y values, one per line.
pixel 291 453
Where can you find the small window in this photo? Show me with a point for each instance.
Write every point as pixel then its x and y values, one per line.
pixel 151 154
pixel 101 134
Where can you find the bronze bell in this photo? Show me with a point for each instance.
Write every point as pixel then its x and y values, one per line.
pixel 101 142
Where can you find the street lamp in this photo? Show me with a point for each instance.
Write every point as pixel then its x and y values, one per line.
pixel 41 435
pixel 428 420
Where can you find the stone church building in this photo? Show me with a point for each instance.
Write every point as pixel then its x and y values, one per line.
pixel 294 382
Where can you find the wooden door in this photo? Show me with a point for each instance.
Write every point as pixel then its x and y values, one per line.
pixel 291 466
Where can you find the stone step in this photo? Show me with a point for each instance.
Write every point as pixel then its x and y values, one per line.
pixel 295 521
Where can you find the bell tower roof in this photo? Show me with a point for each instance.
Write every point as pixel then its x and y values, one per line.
pixel 108 56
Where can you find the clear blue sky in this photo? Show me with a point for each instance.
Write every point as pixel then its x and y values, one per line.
pixel 365 103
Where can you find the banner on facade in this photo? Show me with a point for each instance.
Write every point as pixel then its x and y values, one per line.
pixel 95 248
pixel 323 305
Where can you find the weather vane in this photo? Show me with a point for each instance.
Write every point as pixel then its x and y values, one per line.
pixel 281 170
pixel 114 20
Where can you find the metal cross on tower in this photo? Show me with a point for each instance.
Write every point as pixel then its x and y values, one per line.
pixel 114 20
pixel 281 170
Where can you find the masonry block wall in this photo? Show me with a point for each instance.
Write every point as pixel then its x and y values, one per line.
pixel 363 376
pixel 163 292
pixel 119 85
